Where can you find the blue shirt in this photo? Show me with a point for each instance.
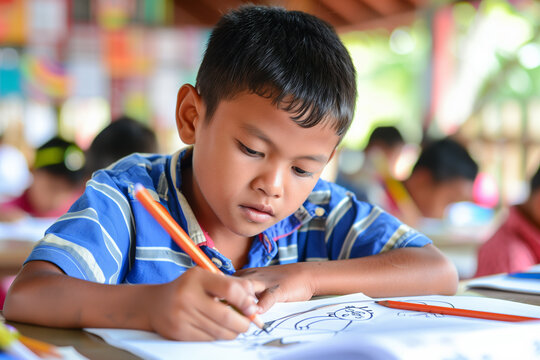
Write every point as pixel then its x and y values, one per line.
pixel 108 237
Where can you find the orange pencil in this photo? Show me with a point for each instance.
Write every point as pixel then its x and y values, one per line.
pixel 183 240
pixel 40 348
pixel 452 311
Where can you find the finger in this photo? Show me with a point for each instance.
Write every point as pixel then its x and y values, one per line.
pixel 190 332
pixel 208 319
pixel 219 320
pixel 219 334
pixel 267 299
pixel 226 323
pixel 236 292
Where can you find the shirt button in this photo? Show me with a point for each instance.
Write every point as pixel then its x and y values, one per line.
pixel 216 261
pixel 319 211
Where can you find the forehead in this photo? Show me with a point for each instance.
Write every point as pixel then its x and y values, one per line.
pixel 258 116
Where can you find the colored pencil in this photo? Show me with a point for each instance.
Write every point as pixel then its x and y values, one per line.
pixel 525 275
pixel 402 305
pixel 12 346
pixel 40 348
pixel 181 238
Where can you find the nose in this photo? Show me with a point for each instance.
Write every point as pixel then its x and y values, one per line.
pixel 270 182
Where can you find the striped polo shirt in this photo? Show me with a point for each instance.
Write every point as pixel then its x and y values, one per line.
pixel 108 237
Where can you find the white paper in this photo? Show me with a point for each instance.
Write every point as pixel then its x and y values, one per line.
pixel 331 323
pixel 508 283
pixel 501 342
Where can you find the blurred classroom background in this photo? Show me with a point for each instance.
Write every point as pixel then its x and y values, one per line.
pixel 469 69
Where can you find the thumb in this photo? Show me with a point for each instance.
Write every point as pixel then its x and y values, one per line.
pixel 267 299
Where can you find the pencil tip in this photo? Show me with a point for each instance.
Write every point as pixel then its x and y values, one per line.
pixel 265 327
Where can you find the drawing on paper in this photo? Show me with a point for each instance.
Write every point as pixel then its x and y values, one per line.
pixel 326 321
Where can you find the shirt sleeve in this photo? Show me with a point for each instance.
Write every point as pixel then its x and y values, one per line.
pixel 93 240
pixel 356 229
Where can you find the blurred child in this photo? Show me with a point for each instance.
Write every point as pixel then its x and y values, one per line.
pixel 57 181
pixel 443 174
pixel 381 153
pixel 515 246
pixel 122 137
pixel 275 94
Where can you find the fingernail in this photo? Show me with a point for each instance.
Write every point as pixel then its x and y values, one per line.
pixel 254 299
pixel 252 309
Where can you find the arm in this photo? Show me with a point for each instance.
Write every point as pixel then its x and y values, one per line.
pixel 184 309
pixel 398 272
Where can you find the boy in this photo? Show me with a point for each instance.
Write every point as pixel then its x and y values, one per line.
pixel 515 246
pixel 382 151
pixel 120 138
pixel 275 93
pixel 443 174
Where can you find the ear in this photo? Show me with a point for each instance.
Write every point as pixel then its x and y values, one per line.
pixel 189 113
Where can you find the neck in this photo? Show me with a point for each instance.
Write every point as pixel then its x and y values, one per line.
pixel 231 245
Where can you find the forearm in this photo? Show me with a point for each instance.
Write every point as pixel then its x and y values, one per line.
pixel 400 272
pixel 48 297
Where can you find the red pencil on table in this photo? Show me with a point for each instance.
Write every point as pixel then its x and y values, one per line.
pixel 181 238
pixel 403 305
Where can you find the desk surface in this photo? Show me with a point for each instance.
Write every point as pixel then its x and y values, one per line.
pixel 86 344
pixel 93 347
pixel 13 253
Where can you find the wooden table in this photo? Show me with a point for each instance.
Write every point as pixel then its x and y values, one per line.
pixel 86 344
pixel 13 253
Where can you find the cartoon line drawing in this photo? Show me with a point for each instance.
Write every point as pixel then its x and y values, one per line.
pixel 336 321
pixel 342 316
pixel 325 321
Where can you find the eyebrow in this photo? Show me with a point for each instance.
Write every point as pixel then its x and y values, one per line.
pixel 261 135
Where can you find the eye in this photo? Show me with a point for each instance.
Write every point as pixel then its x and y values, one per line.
pixel 249 151
pixel 301 172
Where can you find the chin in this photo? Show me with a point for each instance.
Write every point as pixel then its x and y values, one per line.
pixel 251 229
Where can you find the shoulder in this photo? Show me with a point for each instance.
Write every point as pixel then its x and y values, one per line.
pixel 334 197
pixel 134 168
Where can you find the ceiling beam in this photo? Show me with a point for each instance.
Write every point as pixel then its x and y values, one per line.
pixel 352 11
pixel 389 7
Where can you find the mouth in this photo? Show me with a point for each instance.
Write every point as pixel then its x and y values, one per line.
pixel 258 213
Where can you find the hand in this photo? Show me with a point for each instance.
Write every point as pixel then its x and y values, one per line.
pixel 189 308
pixel 291 282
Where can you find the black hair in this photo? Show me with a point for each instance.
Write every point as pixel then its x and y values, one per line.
pixel 446 159
pixel 122 137
pixel 387 135
pixel 61 158
pixel 290 57
pixel 535 181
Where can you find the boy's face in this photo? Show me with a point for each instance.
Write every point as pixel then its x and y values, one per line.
pixel 445 193
pixel 253 166
pixel 51 195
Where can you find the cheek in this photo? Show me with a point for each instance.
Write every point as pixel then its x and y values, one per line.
pixel 219 172
pixel 297 192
